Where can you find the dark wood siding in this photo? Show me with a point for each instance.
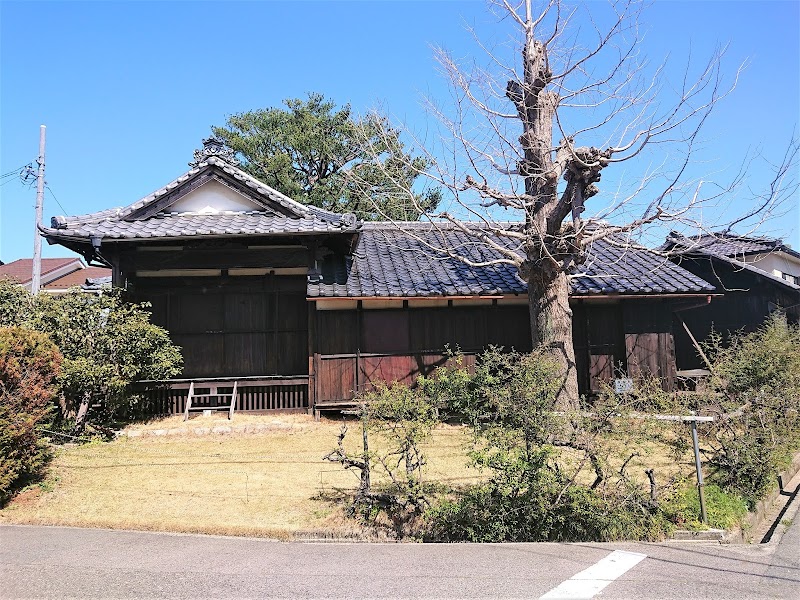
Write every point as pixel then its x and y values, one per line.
pixel 233 326
pixel 649 342
pixel 357 348
pixel 747 301
pixel 599 343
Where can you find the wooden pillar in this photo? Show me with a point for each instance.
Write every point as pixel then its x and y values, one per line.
pixel 312 356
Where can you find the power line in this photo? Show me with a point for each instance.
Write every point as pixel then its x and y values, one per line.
pixel 16 171
pixel 56 199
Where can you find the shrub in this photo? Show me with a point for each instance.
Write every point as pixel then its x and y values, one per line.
pixel 106 343
pixel 29 365
pixel 543 512
pixel 403 418
pixel 17 305
pixel 756 393
pixel 534 457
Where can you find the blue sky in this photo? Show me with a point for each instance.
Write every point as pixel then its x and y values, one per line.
pixel 128 90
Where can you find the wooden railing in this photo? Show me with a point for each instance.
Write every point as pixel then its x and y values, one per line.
pixel 254 394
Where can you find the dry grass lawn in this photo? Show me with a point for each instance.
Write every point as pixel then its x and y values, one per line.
pixel 264 476
pixel 264 482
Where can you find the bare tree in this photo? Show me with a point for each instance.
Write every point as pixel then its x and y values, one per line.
pixel 532 141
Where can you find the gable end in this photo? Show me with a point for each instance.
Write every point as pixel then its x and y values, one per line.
pixel 211 174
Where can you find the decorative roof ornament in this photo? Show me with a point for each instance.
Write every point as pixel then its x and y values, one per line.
pixel 214 146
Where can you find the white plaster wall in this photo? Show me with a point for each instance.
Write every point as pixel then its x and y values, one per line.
pixel 775 263
pixel 213 197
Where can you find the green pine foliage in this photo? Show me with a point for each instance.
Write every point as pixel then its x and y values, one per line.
pixel 324 156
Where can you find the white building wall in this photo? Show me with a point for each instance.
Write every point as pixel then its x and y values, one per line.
pixel 776 263
pixel 211 198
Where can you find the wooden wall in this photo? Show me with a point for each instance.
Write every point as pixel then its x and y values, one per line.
pixel 649 342
pixel 353 348
pixel 338 375
pixel 746 303
pixel 599 342
pixel 233 326
pixel 420 330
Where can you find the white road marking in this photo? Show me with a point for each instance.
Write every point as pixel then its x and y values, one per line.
pixel 590 582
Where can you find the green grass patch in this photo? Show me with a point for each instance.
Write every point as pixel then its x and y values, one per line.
pixel 724 510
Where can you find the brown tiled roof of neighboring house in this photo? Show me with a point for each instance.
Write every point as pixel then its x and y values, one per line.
pixel 20 270
pixel 78 278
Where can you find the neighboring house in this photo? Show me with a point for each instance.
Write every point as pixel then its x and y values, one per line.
pixel 756 277
pixel 302 306
pixel 58 274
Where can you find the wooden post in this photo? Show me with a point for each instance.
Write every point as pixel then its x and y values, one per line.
pixel 312 366
pixel 233 400
pixel 188 402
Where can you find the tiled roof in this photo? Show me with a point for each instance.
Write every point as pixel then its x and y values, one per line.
pixel 730 249
pixel 190 225
pixel 726 244
pixel 95 284
pixel 78 278
pixel 388 262
pixel 122 223
pixel 624 269
pixel 21 270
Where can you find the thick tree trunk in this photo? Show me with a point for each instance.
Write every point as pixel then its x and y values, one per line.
pixel 80 418
pixel 551 327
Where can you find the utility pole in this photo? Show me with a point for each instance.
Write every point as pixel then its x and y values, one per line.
pixel 36 278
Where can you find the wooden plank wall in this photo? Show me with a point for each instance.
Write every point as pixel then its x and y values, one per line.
pixel 356 348
pixel 649 341
pixel 233 326
pixel 353 349
pixel 747 302
pixel 599 343
pixel 340 377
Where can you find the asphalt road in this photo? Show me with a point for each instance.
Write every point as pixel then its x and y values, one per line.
pixel 56 562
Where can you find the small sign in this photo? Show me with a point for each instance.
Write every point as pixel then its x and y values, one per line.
pixel 623 386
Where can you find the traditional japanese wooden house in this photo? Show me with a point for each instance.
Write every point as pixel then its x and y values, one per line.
pixel 302 307
pixel 754 277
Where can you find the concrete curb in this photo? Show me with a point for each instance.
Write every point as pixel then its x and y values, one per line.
pixel 757 517
pixel 706 535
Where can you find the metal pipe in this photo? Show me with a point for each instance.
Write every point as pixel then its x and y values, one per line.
pixel 700 484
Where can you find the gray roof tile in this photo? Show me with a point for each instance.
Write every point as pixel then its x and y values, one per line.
pixel 188 225
pixel 727 244
pixel 119 224
pixel 388 262
pixel 731 249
